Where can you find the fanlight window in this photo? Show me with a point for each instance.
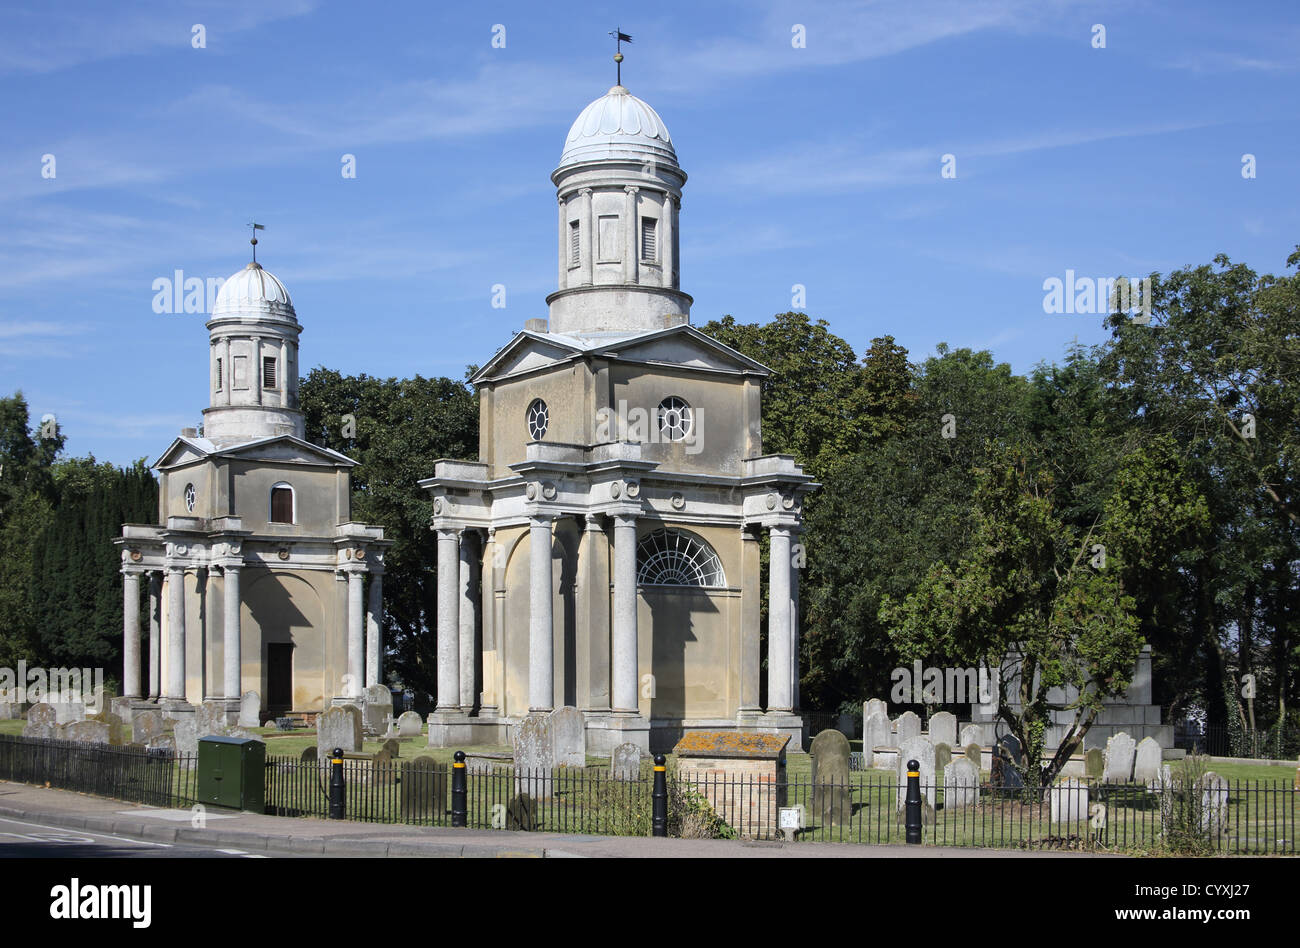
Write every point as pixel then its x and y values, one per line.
pixel 675 419
pixel 538 419
pixel 677 558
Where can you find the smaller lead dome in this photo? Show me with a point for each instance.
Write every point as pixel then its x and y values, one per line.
pixel 616 126
pixel 253 291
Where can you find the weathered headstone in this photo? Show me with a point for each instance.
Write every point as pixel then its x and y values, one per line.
pixel 424 790
pixel 971 734
pixel 569 737
pixel 943 728
pixel 1007 761
pixel 69 712
pixel 975 754
pixel 42 719
pixel 85 732
pixel 534 752
pixel 382 761
pixel 942 757
pixel 409 724
pixel 1120 750
pixel 1214 802
pixel 116 729
pixel 521 813
pixel 121 707
pixel 875 733
pixel 377 709
pixel 831 803
pixel 1146 760
pixel 875 706
pixel 907 727
pixel 961 784
pixel 250 709
pixel 10 710
pixel 210 719
pixel 922 751
pixel 147 725
pixel 1094 763
pixel 1069 800
pixel 309 754
pixel 625 762
pixel 394 748
pixel 185 733
pixel 339 727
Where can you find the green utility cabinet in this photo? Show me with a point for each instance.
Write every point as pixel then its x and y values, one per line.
pixel 232 773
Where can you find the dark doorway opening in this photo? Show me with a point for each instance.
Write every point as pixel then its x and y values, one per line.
pixel 279 679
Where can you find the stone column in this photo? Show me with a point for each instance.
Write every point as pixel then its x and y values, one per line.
pixel 750 623
pixel 468 618
pixel 131 635
pixel 356 635
pixel 282 380
pixel 541 645
pixel 667 252
pixel 227 371
pixel 257 370
pixel 595 557
pixel 175 634
pixel 625 641
pixel 630 254
pixel 448 619
pixel 491 632
pixel 374 630
pixel 233 658
pixel 794 628
pixel 563 280
pixel 587 241
pixel 155 634
pixel 780 695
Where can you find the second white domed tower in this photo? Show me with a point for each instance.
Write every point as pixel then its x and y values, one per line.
pixel 619 188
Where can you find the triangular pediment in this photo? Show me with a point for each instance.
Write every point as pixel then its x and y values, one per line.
pixel 524 353
pixel 278 449
pixel 684 347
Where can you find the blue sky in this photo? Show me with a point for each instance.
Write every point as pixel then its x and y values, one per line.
pixel 818 166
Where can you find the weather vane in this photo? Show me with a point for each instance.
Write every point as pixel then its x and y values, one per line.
pixel 619 39
pixel 256 227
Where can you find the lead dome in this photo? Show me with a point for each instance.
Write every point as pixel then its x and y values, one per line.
pixel 618 125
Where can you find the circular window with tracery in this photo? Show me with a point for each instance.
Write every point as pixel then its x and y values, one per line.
pixel 538 419
pixel 675 419
pixel 191 497
pixel 677 558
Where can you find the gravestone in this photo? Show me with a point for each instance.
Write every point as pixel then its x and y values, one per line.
pixel 250 709
pixel 625 762
pixel 163 742
pixel 961 784
pixel 975 755
pixel 845 725
pixel 906 727
pixel 922 751
pixel 69 712
pixel 210 719
pixel 942 757
pixel 1146 761
pixel 382 761
pixel 409 724
pixel 121 707
pixel 85 732
pixel 943 729
pixel 521 813
pixel 424 790
pixel 339 727
pixel 394 747
pixel 1069 801
pixel 309 755
pixel 1119 758
pixel 10 710
pixel 971 734
pixel 875 733
pixel 42 719
pixel 116 729
pixel 569 737
pixel 831 804
pixel 147 725
pixel 533 742
pixel 875 706
pixel 1214 802
pixel 377 708
pixel 1094 763
pixel 185 733
pixel 1007 759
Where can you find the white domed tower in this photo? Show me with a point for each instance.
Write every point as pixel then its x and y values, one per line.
pixel 253 361
pixel 619 188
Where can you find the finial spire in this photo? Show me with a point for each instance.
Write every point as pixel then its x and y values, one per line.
pixel 256 227
pixel 619 39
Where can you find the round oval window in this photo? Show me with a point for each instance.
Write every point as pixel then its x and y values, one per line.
pixel 538 419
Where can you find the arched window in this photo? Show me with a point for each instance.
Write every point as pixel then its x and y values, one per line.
pixel 677 558
pixel 282 504
pixel 675 419
pixel 539 419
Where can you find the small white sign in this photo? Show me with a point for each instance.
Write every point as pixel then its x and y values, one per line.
pixel 790 817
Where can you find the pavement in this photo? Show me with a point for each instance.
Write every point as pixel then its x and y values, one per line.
pixel 218 832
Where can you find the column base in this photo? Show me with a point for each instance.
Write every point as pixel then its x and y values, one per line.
pixel 175 707
pixel 783 722
pixel 450 729
pixel 358 702
pixel 606 730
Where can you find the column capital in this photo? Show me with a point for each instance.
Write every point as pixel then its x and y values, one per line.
pixel 631 188
pixel 541 519
pixel 624 518
pixel 593 524
pixel 584 191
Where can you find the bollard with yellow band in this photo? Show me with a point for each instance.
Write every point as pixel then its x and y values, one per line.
pixel 659 796
pixel 912 803
pixel 338 790
pixel 459 794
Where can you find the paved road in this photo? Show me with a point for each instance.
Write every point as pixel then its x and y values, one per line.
pixel 24 838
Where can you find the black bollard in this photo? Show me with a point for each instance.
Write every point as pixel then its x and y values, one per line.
pixel 459 809
pixel 338 790
pixel 660 798
pixel 912 802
